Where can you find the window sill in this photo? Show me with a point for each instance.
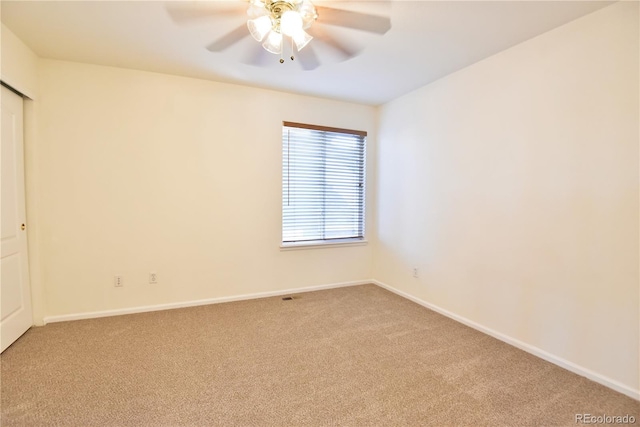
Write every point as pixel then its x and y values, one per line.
pixel 317 244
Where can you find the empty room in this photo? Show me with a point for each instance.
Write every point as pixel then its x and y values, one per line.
pixel 314 213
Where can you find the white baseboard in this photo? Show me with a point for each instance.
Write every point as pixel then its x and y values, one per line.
pixel 563 363
pixel 184 304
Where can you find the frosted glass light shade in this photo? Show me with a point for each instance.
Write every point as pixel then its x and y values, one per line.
pixel 290 23
pixel 273 43
pixel 301 39
pixel 256 9
pixel 259 27
pixel 308 13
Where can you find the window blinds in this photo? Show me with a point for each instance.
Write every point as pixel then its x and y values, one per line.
pixel 323 183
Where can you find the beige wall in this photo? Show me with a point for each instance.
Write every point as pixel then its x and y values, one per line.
pixel 18 63
pixel 145 172
pixel 513 186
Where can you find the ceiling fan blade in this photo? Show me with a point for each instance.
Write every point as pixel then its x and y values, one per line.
pixel 357 20
pixel 186 12
pixel 342 47
pixel 259 57
pixel 229 39
pixel 308 59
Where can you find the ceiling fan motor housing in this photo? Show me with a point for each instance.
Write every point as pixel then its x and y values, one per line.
pixel 277 8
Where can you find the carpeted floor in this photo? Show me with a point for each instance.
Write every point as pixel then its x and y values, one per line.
pixel 357 356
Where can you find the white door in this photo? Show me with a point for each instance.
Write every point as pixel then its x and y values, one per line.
pixel 15 294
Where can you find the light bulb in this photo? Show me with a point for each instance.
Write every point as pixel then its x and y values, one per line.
pixel 290 23
pixel 259 27
pixel 301 39
pixel 273 43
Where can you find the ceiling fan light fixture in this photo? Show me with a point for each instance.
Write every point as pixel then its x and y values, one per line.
pixel 301 39
pixel 273 43
pixel 271 20
pixel 291 23
pixel 259 27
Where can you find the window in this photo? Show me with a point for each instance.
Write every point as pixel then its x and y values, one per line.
pixel 323 184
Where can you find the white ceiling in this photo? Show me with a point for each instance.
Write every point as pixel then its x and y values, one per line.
pixel 427 40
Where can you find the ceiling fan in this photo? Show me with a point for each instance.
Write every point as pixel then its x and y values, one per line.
pixel 291 26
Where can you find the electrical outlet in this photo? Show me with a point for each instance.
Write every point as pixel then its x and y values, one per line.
pixel 415 272
pixel 153 277
pixel 118 281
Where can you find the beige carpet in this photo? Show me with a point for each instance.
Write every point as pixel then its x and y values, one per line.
pixel 358 356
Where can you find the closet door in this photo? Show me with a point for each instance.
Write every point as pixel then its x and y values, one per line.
pixel 15 294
